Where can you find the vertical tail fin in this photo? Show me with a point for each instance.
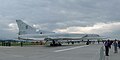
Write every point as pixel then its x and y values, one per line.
pixel 24 28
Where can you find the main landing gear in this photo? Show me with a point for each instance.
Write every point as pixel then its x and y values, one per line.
pixel 55 43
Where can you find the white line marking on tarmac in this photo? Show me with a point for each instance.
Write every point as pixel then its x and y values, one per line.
pixel 71 48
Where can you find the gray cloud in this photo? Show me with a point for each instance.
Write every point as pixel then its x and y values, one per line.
pixel 4 34
pixel 58 14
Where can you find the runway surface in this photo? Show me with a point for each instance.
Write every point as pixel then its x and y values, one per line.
pixel 112 55
pixel 85 52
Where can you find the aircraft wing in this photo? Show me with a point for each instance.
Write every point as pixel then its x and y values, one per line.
pixel 64 38
pixel 76 38
pixel 94 38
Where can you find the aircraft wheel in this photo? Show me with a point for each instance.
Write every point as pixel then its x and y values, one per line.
pixel 51 44
pixel 59 44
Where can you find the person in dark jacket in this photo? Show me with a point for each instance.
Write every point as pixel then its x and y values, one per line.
pixel 21 43
pixel 119 44
pixel 107 46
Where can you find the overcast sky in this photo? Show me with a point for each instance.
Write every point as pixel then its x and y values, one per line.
pixel 69 16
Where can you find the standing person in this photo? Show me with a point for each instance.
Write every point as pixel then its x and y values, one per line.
pixel 103 41
pixel 107 47
pixel 87 43
pixel 119 44
pixel 21 43
pixel 115 46
pixel 98 41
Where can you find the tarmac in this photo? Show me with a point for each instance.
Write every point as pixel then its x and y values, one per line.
pixel 85 52
pixel 112 55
